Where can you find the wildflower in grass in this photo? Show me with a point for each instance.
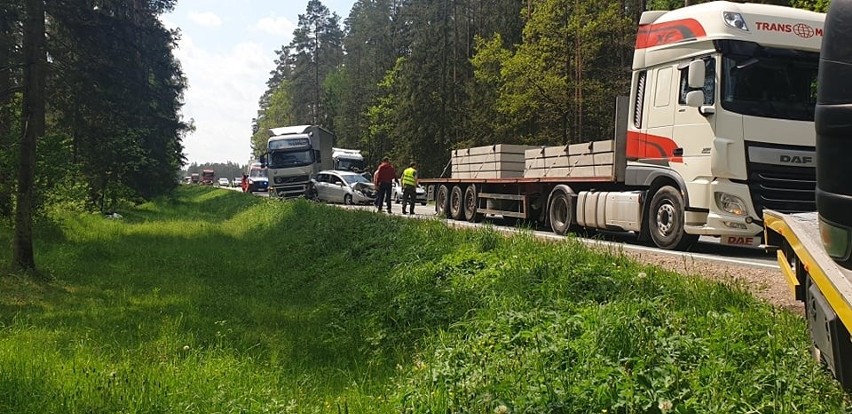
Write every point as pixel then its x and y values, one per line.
pixel 501 409
pixel 186 347
pixel 665 406
pixel 642 275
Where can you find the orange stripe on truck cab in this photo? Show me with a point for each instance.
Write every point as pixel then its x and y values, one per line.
pixel 641 145
pixel 669 32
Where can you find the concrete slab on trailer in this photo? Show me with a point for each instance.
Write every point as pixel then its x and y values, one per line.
pixel 489 166
pixel 571 172
pixel 519 180
pixel 489 149
pixel 605 158
pixel 593 147
pixel 491 157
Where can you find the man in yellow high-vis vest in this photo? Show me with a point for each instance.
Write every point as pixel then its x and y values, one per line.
pixel 409 188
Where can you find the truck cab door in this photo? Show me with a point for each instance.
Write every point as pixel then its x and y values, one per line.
pixel 693 133
pixel 657 145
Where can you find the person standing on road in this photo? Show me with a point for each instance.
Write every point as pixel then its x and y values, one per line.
pixel 383 179
pixel 409 188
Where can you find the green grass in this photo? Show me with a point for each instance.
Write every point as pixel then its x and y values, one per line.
pixel 214 301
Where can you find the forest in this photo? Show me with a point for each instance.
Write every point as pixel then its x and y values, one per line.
pixel 90 90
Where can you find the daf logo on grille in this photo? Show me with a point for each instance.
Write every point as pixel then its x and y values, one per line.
pixel 796 159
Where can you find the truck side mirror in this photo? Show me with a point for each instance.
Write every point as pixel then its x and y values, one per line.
pixel 695 98
pixel 696 74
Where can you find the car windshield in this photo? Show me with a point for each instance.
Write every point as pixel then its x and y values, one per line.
pixel 355 178
pixel 258 173
pixel 285 159
pixel 772 83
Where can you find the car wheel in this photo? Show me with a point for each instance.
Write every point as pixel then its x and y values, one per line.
pixel 347 199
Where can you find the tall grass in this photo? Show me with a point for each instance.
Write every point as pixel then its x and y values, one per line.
pixel 213 301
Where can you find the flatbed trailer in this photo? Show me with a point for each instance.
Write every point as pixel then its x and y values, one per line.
pixel 823 286
pixel 468 198
pixel 551 200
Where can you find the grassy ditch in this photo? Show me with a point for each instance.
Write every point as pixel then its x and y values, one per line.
pixel 214 301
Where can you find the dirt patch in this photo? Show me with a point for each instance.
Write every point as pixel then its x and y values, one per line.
pixel 767 285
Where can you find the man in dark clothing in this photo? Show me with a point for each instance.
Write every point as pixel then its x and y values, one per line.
pixel 383 179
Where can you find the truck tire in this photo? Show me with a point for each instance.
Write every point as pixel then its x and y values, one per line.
pixel 560 213
pixel 666 219
pixel 457 203
pixel 470 204
pixel 442 202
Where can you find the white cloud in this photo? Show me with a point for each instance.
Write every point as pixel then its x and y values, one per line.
pixel 224 86
pixel 276 26
pixel 206 19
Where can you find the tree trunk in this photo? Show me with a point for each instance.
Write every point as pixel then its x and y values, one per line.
pixel 6 50
pixel 35 65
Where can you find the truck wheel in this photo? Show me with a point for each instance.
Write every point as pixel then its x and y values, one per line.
pixel 470 204
pixel 560 213
pixel 457 203
pixel 665 220
pixel 442 202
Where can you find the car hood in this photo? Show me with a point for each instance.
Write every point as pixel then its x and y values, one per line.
pixel 258 179
pixel 366 188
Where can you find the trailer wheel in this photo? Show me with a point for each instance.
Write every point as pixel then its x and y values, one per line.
pixel 560 213
pixel 457 203
pixel 665 220
pixel 471 203
pixel 442 202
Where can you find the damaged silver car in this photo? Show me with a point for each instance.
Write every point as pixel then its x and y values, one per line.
pixel 342 187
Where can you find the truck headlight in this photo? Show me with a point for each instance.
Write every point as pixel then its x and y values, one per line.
pixel 837 240
pixel 731 204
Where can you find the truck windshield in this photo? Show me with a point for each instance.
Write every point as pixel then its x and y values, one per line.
pixel 347 164
pixel 286 159
pixel 772 83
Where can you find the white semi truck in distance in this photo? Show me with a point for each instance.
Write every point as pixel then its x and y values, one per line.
pixel 718 126
pixel 294 155
pixel 347 160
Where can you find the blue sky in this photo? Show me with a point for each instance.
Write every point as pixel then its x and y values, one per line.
pixel 227 49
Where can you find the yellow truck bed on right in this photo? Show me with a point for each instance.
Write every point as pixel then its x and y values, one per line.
pixel 823 286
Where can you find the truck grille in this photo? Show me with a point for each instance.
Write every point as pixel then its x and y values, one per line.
pixel 782 188
pixel 296 179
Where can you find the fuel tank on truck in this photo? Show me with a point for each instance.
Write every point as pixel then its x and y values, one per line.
pixel 833 121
